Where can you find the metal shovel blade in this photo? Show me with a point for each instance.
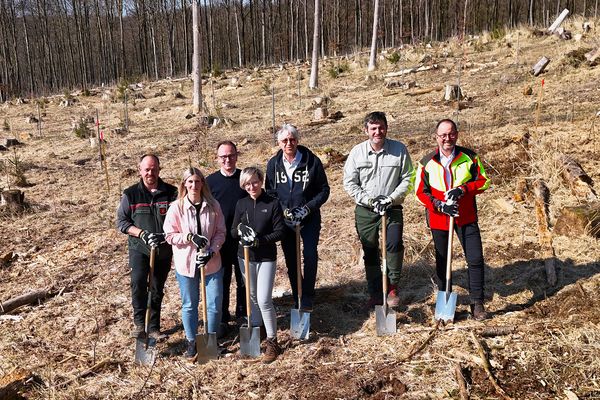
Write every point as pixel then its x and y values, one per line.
pixel 250 341
pixel 206 347
pixel 145 351
pixel 445 306
pixel 300 324
pixel 385 324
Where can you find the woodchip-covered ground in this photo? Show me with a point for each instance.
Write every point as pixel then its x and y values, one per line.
pixel 542 342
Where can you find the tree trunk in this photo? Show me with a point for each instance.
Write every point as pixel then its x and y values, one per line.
pixel 239 39
pixel 196 71
pixel 373 56
pixel 314 70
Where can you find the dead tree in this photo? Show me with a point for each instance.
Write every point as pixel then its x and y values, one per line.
pixel 314 68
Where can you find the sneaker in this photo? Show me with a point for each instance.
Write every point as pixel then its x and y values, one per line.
pixel 190 351
pixel 392 298
pixel 272 351
pixel 137 331
pixel 478 312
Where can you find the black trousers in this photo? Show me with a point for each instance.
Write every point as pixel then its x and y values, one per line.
pixel 470 239
pixel 230 263
pixel 140 269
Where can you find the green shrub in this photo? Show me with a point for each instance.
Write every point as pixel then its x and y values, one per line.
pixel 82 131
pixel 393 58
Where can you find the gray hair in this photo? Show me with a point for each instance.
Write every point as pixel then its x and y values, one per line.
pixel 288 129
pixel 248 173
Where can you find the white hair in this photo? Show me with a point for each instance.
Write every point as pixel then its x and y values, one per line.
pixel 288 129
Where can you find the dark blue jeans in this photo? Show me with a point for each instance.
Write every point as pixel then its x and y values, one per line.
pixel 140 269
pixel 470 239
pixel 310 233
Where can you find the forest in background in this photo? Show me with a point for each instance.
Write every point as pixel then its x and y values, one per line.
pixel 47 46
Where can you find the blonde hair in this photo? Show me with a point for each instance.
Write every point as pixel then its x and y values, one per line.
pixel 248 173
pixel 205 192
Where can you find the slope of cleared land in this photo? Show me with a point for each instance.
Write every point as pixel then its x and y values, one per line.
pixel 543 341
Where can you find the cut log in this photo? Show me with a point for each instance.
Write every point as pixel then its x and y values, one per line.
pixel 540 66
pixel 410 70
pixel 579 221
pixel 27 298
pixel 424 91
pixel 12 201
pixel 559 20
pixel 396 84
pixel 542 197
pixel 577 179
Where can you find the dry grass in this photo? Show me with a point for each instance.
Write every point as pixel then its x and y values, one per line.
pixel 68 241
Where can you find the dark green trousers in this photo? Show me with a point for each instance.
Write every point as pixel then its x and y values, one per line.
pixel 368 226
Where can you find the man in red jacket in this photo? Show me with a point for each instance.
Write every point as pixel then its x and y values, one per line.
pixel 454 173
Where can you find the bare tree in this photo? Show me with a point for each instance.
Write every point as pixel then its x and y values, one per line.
pixel 373 56
pixel 314 68
pixel 196 71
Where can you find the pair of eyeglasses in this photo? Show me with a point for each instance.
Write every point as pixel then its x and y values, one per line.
pixel 227 156
pixel 447 135
pixel 253 183
pixel 290 140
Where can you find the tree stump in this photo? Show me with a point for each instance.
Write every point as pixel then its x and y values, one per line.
pixel 14 383
pixel 320 113
pixel 579 221
pixel 453 92
pixel 13 201
pixel 540 66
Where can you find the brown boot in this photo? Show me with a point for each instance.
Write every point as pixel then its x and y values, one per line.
pixel 272 351
pixel 478 312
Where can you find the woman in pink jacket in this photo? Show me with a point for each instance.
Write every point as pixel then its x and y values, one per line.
pixel 195 227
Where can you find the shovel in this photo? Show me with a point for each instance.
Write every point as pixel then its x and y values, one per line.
pixel 445 304
pixel 299 320
pixel 206 343
pixel 249 336
pixel 145 348
pixel 385 322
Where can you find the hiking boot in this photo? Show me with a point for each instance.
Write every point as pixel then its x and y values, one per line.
pixel 190 351
pixel 478 312
pixel 272 351
pixel 137 331
pixel 392 298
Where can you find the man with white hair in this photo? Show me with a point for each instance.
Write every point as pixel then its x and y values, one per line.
pixel 296 177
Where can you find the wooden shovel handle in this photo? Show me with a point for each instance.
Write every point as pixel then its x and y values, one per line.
pixel 298 266
pixel 449 254
pixel 247 273
pixel 384 260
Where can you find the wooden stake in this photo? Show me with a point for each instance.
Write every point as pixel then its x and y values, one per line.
pixel 539 104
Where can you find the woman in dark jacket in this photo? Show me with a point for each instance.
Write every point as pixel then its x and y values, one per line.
pixel 258 224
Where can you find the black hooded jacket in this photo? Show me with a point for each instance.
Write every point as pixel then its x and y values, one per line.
pixel 309 182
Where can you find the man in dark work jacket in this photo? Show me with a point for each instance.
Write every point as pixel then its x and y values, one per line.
pixel 141 215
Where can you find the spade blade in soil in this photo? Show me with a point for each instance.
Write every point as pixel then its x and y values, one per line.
pixel 445 306
pixel 250 341
pixel 206 346
pixel 385 322
pixel 299 324
pixel 145 351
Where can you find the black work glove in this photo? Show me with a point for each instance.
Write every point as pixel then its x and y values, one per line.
pixel 381 203
pixel 296 215
pixel 455 193
pixel 199 240
pixel 247 236
pixel 152 239
pixel 448 209
pixel 203 258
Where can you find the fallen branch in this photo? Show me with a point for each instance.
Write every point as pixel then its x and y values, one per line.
pixel 27 298
pixel 92 369
pixel 418 348
pixel 486 366
pixel 462 384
